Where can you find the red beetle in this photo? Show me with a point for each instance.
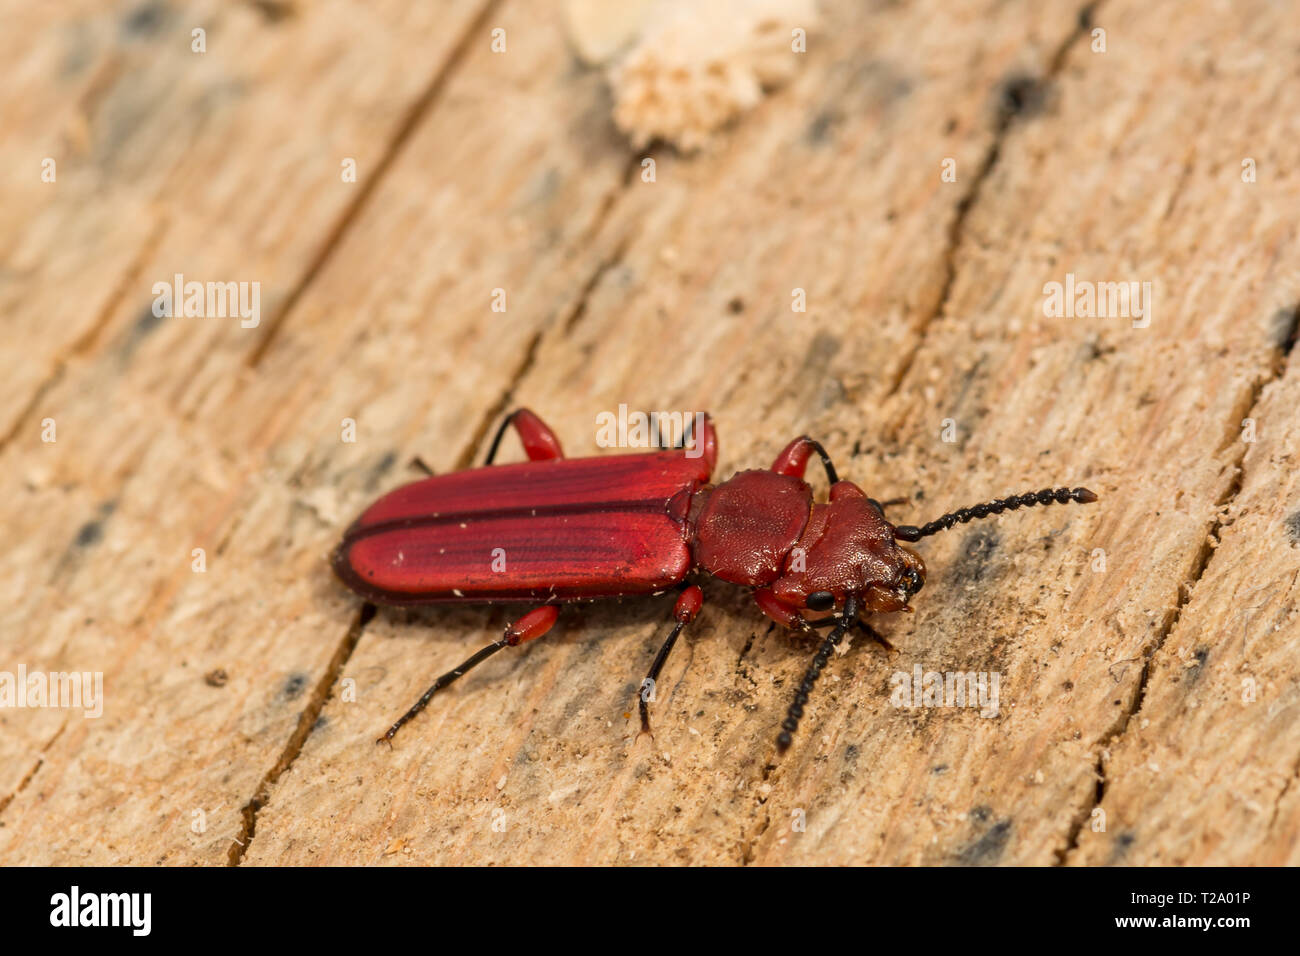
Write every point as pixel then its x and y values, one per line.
pixel 556 529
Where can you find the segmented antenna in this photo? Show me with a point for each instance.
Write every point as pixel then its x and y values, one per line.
pixel 791 722
pixel 909 532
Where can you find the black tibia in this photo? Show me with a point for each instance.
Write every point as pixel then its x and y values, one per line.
pixel 442 682
pixel 652 678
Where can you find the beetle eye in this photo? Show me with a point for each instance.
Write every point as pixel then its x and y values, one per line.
pixel 820 601
pixel 912 580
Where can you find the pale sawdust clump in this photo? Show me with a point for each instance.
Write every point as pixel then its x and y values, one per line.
pixel 694 67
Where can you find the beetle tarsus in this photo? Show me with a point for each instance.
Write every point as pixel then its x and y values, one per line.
pixel 647 688
pixel 687 606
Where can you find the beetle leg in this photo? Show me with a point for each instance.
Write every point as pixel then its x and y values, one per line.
pixel 862 626
pixel 684 611
pixel 788 616
pixel 882 505
pixel 704 444
pixel 682 439
pixel 528 628
pixel 540 443
pixel 784 614
pixel 793 459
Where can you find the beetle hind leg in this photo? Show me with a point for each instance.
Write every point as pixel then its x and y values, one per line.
pixel 684 611
pixel 528 628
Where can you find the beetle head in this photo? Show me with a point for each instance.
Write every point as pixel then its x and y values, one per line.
pixel 848 548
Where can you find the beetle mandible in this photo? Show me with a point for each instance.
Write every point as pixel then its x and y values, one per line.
pixel 580 529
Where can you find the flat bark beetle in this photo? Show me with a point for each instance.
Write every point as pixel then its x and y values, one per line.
pixel 553 530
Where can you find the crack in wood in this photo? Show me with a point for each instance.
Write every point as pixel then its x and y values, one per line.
pixel 22 784
pixel 1016 103
pixel 609 262
pixel 30 408
pixel 27 778
pixel 298 739
pixel 1286 788
pixel 88 339
pixel 471 451
pixel 1277 364
pixel 579 309
pixel 423 105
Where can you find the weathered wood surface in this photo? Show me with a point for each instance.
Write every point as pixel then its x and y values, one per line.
pixel 1158 696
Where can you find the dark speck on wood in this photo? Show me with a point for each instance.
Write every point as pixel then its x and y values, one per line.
pixel 1293 527
pixel 294 686
pixel 92 532
pixel 988 848
pixel 145 19
pixel 1021 96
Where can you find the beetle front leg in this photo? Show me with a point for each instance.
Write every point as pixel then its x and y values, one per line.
pixel 528 628
pixel 684 611
pixel 540 443
pixel 793 460
pixel 787 615
pixel 862 626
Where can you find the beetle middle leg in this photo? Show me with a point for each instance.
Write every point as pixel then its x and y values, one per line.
pixel 684 611
pixel 540 443
pixel 528 628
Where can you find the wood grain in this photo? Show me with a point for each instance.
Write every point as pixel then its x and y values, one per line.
pixel 1148 692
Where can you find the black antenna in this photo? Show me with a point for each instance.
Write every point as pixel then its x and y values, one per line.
pixel 791 722
pixel 909 532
